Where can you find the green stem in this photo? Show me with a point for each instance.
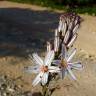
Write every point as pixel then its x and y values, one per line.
pixel 45 91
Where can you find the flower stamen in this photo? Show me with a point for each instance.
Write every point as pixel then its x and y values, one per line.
pixel 63 64
pixel 44 68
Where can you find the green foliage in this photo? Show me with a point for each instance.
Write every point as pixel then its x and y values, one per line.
pixel 79 6
pixel 86 10
pixel 79 2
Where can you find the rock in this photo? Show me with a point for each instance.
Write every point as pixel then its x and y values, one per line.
pixel 9 88
pixel 4 94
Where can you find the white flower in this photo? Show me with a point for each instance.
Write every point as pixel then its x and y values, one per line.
pixel 65 63
pixel 43 67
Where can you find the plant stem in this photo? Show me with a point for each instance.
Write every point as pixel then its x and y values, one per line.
pixel 45 90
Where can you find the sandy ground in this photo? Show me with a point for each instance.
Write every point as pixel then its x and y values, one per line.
pixel 26 28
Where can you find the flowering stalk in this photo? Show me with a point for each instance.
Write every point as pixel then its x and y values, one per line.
pixel 57 61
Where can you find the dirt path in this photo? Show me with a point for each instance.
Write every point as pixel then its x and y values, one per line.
pixel 87 35
pixel 26 28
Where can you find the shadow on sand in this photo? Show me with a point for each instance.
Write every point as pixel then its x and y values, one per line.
pixel 23 30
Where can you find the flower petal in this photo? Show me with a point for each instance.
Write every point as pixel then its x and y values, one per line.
pixel 32 69
pixel 63 52
pixel 31 59
pixel 60 26
pixel 76 65
pixel 75 28
pixel 37 59
pixel 37 79
pixel 71 55
pixel 45 78
pixel 48 46
pixel 71 74
pixel 67 36
pixel 72 40
pixel 64 27
pixel 54 69
pixel 62 73
pixel 56 41
pixel 56 62
pixel 49 57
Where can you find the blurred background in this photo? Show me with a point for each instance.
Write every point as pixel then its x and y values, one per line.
pixel 80 6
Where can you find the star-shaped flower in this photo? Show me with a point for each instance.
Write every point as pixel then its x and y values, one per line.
pixel 65 63
pixel 43 68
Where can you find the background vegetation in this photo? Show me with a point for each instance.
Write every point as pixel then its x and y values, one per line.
pixel 79 6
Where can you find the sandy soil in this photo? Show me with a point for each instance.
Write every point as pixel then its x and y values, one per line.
pixel 26 28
